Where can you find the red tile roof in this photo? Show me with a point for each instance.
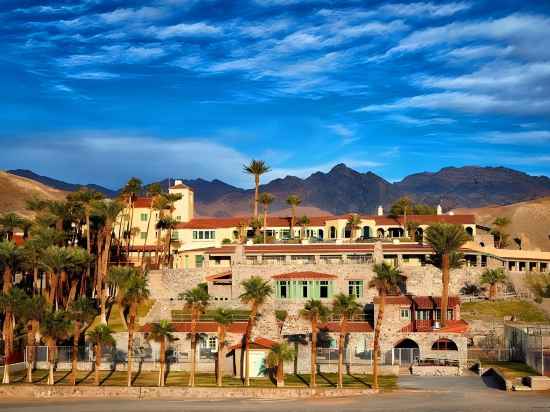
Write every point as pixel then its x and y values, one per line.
pixel 224 275
pixel 258 342
pixel 394 300
pixel 18 239
pixel 202 327
pixel 425 219
pixel 304 275
pixel 422 302
pixel 350 326
pixel 143 202
pixel 141 248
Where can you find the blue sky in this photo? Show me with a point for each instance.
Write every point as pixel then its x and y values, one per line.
pixel 98 91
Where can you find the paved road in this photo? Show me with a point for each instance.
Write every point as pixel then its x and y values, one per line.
pixel 418 394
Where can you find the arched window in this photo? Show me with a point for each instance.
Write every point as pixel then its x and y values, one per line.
pixel 321 234
pixel 332 232
pixel 469 231
pixel 444 344
pixel 381 233
pixel 406 344
pixel 366 232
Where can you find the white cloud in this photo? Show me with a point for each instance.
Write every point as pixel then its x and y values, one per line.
pixel 530 137
pixel 422 10
pixel 479 52
pixel 93 75
pixel 185 30
pixel 346 132
pixel 416 121
pixel 114 54
pixel 126 14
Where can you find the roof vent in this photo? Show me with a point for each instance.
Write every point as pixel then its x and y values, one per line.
pixel 380 211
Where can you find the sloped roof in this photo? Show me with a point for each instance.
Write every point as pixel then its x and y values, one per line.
pixel 258 342
pixel 202 327
pixel 422 302
pixel 452 326
pixel 350 326
pixel 304 275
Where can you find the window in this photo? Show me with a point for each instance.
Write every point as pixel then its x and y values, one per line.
pixel 405 313
pixel 423 314
pixel 355 288
pixel 199 260
pixel 444 344
pixel 143 235
pixel 282 289
pixel 212 343
pixel 178 218
pixel 144 217
pixel 305 288
pixel 438 314
pixel 204 234
pixel 323 289
pixel 175 235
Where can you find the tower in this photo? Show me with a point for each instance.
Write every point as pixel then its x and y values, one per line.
pixel 184 209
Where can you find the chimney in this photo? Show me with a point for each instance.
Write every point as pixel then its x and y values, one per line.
pixel 439 210
pixel 380 211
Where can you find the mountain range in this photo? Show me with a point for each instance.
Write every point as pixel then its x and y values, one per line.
pixel 343 189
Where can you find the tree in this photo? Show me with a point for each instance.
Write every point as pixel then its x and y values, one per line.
pixel 130 192
pixel 303 222
pixel 8 223
pixel 386 281
pixel 31 313
pixel 266 199
pixel 78 268
pixel 445 239
pixel 344 306
pixel 55 326
pixel 196 300
pixel 108 211
pixel 118 279
pixel 55 260
pixel 82 312
pixel 314 311
pixel 493 277
pixel 256 292
pixel 135 293
pixel 278 355
pixel 162 333
pixel 9 259
pixel 101 336
pixel 499 232
pixel 293 201
pixel 256 168
pixel 354 222
pixel 10 304
pixel 154 191
pixel 223 317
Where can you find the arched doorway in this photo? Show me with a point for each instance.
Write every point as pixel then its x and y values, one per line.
pixel 396 232
pixel 419 235
pixel 332 232
pixel 321 234
pixel 347 231
pixel 366 232
pixel 381 233
pixel 405 352
pixel 444 344
pixel 469 231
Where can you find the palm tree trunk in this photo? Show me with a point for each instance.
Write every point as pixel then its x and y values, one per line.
pixel 492 291
pixel 8 279
pixel 256 194
pixel 280 374
pixel 341 339
pixel 34 279
pixel 265 224
pixel 193 347
pixel 247 345
pixel 313 379
pixel 221 345
pixel 74 354
pixel 8 344
pixel 162 361
pixel 30 349
pixel 97 362
pixel 445 292
pixel 376 346
pixel 51 359
pixel 146 234
pixel 131 324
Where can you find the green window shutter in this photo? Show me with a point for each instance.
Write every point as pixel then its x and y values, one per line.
pixel 361 287
pixel 330 288
pixel 277 290
pixel 316 290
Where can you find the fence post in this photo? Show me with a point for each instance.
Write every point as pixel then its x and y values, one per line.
pixel 542 354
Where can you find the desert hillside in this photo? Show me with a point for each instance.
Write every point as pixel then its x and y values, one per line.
pixel 15 190
pixel 530 221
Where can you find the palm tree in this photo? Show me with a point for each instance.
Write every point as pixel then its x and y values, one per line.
pixel 354 222
pixel 118 279
pixel 343 306
pixel 223 317
pixel 293 201
pixel 303 223
pixel 403 206
pixel 101 336
pixel 196 300
pixel 256 292
pixel 385 282
pixel 82 311
pixel 107 211
pixel 136 292
pixel 266 199
pixel 493 277
pixel 31 314
pixel 55 260
pixel 278 355
pixel 169 224
pixel 162 333
pixel 9 259
pixel 314 311
pixel 154 190
pixel 54 327
pixel 160 204
pixel 79 263
pixel 445 239
pixel 8 223
pixel 132 189
pixel 10 304
pixel 256 168
pixel 499 233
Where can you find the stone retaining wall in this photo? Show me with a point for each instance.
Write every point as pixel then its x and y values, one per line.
pixel 436 370
pixel 81 392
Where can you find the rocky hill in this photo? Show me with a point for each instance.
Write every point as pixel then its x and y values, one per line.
pixel 530 221
pixel 15 190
